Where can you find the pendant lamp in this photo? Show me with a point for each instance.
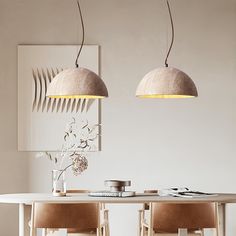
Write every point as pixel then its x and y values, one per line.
pixel 167 82
pixel 77 82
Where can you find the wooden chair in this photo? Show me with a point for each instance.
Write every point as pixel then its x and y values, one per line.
pixel 181 219
pixel 78 219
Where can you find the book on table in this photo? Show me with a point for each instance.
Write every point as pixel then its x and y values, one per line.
pixel 184 192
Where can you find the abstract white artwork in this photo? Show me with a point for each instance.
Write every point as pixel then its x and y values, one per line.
pixel 42 121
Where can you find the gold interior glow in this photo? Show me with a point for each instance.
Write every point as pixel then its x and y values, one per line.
pixel 165 96
pixel 76 96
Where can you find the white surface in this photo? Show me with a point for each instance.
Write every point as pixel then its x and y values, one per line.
pixel 29 198
pixel 41 130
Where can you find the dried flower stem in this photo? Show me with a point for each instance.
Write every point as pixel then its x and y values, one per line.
pixel 62 171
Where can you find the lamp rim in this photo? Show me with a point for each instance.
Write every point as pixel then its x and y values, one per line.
pixel 77 96
pixel 166 96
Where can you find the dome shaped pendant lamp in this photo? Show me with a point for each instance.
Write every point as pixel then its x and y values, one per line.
pixel 77 82
pixel 167 82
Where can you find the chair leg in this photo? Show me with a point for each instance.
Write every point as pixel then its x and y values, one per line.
pixel 150 228
pixel 103 231
pixel 182 232
pixel 217 232
pixel 140 221
pixel 99 231
pixel 142 230
pixel 44 232
pixel 139 224
pixel 149 232
pixel 107 229
pixel 202 232
pixel 33 231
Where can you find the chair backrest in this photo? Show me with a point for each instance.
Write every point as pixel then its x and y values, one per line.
pixel 77 191
pixel 168 217
pixel 76 230
pixel 102 205
pixel 82 216
pixel 146 205
pixel 151 191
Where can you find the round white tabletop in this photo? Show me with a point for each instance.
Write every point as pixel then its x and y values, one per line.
pixel 29 198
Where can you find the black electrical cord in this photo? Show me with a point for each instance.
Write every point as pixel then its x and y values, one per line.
pixel 82 43
pixel 173 33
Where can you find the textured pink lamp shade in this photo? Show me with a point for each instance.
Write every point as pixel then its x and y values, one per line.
pixel 77 83
pixel 166 82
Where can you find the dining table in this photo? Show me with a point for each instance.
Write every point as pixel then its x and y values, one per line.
pixel 25 201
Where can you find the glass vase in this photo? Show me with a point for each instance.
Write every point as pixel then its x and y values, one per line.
pixel 59 183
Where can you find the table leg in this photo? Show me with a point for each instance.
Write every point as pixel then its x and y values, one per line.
pixel 21 220
pixel 221 211
pixel 150 229
pixel 24 218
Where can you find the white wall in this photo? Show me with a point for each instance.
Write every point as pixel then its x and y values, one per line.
pixel 13 165
pixel 155 143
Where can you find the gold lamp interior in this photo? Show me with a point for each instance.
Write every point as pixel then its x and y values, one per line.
pixel 164 96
